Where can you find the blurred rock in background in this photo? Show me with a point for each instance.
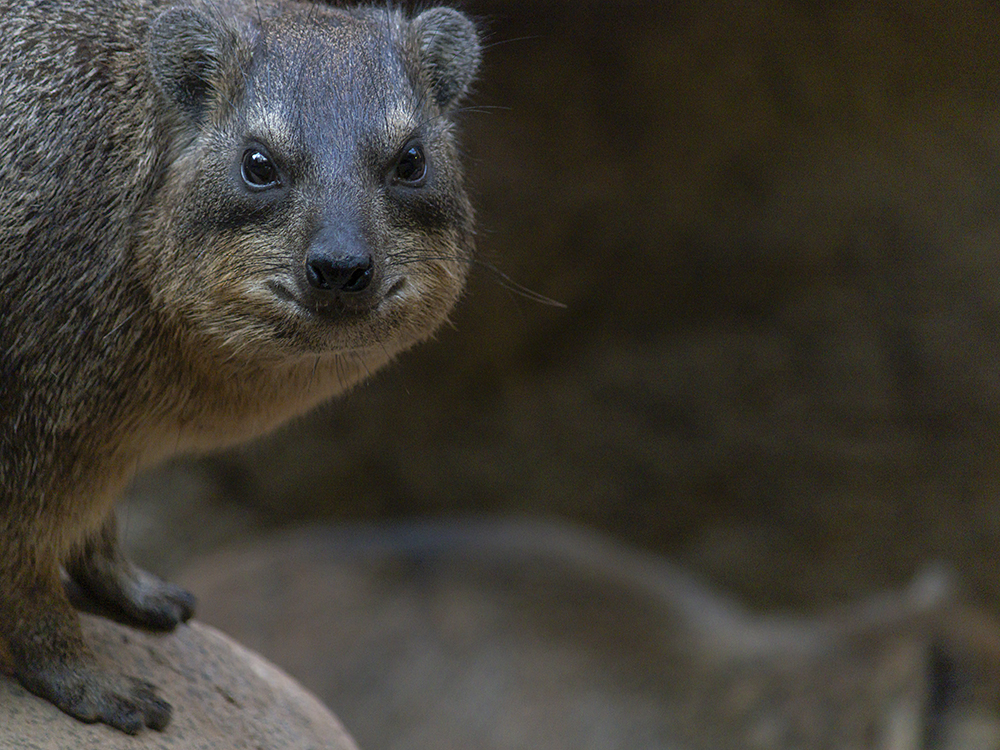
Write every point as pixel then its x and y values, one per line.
pixel 775 229
pixel 501 636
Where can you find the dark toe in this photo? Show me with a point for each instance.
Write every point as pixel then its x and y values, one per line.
pixel 124 716
pixel 157 714
pixel 139 709
pixel 186 603
pixel 165 608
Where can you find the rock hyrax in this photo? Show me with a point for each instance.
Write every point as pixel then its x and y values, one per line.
pixel 213 215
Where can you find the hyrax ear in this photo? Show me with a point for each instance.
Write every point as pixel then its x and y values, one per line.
pixel 448 45
pixel 187 51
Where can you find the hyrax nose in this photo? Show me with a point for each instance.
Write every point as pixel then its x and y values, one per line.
pixel 349 272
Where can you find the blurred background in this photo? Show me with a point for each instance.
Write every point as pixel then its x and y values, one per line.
pixel 775 230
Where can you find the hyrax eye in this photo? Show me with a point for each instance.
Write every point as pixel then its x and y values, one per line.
pixel 257 169
pixel 412 166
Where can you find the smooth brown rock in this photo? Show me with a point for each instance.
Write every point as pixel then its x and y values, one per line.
pixel 224 697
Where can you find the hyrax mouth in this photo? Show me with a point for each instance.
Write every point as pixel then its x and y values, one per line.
pixel 353 299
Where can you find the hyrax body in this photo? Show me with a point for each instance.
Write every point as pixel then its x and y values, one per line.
pixel 213 215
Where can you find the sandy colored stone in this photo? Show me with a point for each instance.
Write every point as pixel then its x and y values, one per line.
pixel 224 697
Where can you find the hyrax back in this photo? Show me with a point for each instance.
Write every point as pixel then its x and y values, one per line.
pixel 212 216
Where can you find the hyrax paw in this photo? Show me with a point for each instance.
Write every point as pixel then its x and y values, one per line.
pixel 137 597
pixel 159 605
pixel 92 696
pixel 131 709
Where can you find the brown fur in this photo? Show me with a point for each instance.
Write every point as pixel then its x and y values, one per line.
pixel 152 301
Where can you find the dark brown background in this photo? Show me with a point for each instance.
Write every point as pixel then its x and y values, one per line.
pixel 775 230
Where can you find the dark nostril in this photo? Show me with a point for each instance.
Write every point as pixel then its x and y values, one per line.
pixel 360 279
pixel 349 275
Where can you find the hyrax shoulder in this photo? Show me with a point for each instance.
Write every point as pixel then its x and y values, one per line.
pixel 213 215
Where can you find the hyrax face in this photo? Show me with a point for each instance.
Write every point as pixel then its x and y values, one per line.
pixel 315 199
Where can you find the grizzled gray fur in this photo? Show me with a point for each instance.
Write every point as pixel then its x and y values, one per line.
pixel 213 216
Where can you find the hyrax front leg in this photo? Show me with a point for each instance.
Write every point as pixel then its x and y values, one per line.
pixel 48 656
pixel 140 597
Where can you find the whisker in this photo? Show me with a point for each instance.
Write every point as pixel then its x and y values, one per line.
pixel 502 42
pixel 402 258
pixel 512 286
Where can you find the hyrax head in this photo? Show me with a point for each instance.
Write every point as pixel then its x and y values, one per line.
pixel 313 199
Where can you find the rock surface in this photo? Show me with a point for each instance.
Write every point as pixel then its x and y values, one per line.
pixel 498 636
pixel 224 698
